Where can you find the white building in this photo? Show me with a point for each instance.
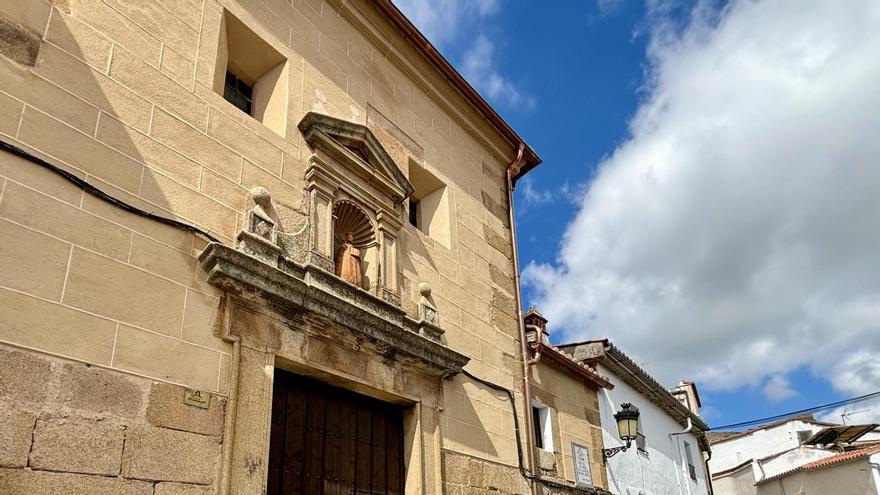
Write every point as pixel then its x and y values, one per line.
pixel 763 459
pixel 668 457
pixel 854 472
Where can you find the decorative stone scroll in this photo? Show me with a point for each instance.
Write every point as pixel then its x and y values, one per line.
pixel 260 235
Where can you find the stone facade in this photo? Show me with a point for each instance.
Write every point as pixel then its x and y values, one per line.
pixel 110 319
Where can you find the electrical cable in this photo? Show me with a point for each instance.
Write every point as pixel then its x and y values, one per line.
pixel 795 413
pixel 516 431
pixel 94 191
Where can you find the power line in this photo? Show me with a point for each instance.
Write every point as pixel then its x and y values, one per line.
pixel 796 413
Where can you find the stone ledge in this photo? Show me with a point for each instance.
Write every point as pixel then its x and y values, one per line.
pixel 307 288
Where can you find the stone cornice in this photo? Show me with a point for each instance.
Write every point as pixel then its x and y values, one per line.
pixel 295 287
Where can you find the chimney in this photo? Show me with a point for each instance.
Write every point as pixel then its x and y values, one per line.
pixel 536 327
pixel 686 393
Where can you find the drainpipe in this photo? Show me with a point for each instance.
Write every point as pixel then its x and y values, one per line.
pixel 527 389
pixel 537 345
pixel 681 472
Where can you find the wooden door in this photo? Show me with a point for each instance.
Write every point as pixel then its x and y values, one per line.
pixel 330 441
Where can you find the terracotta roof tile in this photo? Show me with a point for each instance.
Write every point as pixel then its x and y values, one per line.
pixel 828 461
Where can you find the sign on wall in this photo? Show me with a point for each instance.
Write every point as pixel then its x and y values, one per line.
pixel 583 477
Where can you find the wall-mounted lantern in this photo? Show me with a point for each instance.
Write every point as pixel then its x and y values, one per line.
pixel 627 428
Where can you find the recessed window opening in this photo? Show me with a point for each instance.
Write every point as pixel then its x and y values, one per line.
pixel 251 74
pixel 641 444
pixel 543 428
pixel 692 470
pixel 414 213
pixel 804 435
pixel 429 209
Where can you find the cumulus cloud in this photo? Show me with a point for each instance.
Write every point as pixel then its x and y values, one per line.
pixel 778 388
pixel 734 235
pixel 441 21
pixel 479 67
pixel 447 22
pixel 857 374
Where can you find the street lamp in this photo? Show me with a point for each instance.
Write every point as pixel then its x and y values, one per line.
pixel 627 428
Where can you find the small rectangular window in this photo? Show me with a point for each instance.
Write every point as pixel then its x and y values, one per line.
pixel 238 93
pixel 641 444
pixel 414 213
pixel 536 417
pixel 692 470
pixel 543 428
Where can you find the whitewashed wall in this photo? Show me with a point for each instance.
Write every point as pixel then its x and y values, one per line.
pixel 790 460
pixel 757 445
pixel 851 478
pixel 663 470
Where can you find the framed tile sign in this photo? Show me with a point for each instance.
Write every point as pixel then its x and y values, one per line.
pixel 580 455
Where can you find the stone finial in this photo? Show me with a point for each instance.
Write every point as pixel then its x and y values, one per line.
pixel 429 319
pixel 260 234
pixel 425 289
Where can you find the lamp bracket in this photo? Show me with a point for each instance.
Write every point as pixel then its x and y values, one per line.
pixel 608 453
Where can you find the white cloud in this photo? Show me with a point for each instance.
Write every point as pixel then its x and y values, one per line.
pixel 445 22
pixel 478 67
pixel 608 7
pixel 441 21
pixel 735 234
pixel 856 375
pixel 533 195
pixel 778 388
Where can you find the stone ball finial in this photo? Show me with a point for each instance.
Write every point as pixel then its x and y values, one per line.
pixel 425 289
pixel 260 195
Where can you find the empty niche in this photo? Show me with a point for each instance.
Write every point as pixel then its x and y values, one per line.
pixel 251 74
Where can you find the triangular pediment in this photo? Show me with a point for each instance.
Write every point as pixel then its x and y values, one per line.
pixel 355 147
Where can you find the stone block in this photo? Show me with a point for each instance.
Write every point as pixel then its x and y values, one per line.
pixel 190 204
pixel 244 141
pixel 147 150
pixel 54 328
pixel 92 391
pixel 79 150
pixel 154 85
pixel 200 317
pixel 124 293
pixel 195 145
pixel 80 40
pixel 181 489
pixel 42 94
pixel 19 44
pixel 167 262
pixel 65 221
pixel 32 262
pixel 160 22
pixel 167 409
pixel 153 355
pixel 31 15
pixel 15 435
pixel 93 86
pixel 501 243
pixel 27 482
pixel 24 376
pixel 120 29
pixel 161 454
pixel 10 114
pixel 77 445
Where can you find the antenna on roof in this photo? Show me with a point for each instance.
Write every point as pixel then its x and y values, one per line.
pixel 847 414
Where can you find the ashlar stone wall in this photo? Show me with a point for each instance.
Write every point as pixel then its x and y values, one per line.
pixel 120 93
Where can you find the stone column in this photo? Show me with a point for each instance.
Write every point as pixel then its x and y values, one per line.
pixel 320 190
pixel 389 226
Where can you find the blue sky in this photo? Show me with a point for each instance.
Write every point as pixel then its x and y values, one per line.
pixel 709 186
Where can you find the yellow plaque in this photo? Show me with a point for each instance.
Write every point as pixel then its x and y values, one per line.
pixel 197 398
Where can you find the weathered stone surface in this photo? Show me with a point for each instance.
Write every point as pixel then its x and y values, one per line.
pixel 181 489
pixel 501 279
pixel 77 445
pixel 498 241
pixel 18 43
pixel 496 208
pixel 27 482
pixel 102 392
pixel 161 454
pixel 166 409
pixel 24 376
pixel 15 435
